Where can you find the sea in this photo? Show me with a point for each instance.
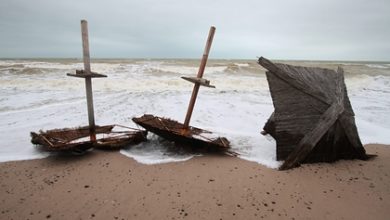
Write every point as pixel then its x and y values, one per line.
pixel 36 94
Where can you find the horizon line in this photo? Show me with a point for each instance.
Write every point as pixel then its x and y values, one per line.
pixel 187 58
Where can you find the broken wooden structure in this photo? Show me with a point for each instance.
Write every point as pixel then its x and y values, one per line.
pixel 74 139
pixel 313 120
pixel 198 139
pixel 78 139
pixel 184 134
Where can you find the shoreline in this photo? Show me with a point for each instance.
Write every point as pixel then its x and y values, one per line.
pixel 109 185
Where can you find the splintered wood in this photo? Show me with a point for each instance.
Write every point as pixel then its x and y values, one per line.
pixel 200 140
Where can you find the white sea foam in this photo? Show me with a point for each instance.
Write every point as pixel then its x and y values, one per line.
pixel 379 66
pixel 38 95
pixel 155 151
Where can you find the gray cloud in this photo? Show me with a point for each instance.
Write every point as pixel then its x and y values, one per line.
pixel 300 29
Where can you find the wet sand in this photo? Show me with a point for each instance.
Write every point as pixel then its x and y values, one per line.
pixel 108 185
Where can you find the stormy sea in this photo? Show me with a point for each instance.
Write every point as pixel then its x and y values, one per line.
pixel 37 95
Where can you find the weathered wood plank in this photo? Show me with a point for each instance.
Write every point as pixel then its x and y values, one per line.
pixel 301 96
pixel 291 119
pixel 82 75
pixel 88 80
pixel 201 81
pixel 311 139
pixel 349 126
pixel 347 103
pixel 293 81
pixel 339 79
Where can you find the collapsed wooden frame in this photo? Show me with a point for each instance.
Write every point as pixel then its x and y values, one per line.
pixel 313 119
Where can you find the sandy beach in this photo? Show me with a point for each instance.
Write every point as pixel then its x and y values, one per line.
pixel 156 86
pixel 108 185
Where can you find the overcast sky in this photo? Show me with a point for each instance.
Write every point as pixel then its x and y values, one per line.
pixel 278 29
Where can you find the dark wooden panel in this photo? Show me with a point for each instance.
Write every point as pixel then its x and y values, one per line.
pixel 313 118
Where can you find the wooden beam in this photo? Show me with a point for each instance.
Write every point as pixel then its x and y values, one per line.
pixel 339 92
pixel 350 129
pixel 88 83
pixel 82 74
pixel 348 124
pixel 309 141
pixel 200 75
pixel 278 72
pixel 201 81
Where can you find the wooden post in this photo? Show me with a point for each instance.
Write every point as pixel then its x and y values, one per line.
pixel 88 83
pixel 200 74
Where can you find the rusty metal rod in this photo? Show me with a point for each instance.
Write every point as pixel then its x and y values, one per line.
pixel 200 74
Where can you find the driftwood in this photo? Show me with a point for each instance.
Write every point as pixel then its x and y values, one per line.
pixel 313 119
pixel 77 139
pixel 196 138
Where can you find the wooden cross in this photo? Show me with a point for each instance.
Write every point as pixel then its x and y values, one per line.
pixel 87 74
pixel 198 80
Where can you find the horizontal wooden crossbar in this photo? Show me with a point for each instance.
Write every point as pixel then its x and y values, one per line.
pixel 200 81
pixel 84 74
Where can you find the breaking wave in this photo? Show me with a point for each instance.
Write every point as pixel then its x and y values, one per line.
pixel 37 94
